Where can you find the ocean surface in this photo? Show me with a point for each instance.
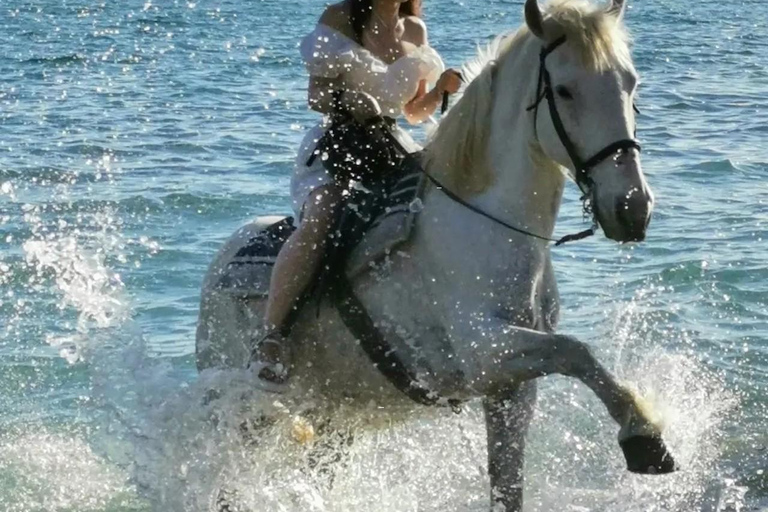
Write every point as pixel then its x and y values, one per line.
pixel 136 136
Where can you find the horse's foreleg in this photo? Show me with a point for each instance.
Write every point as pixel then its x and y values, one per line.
pixel 523 354
pixel 507 417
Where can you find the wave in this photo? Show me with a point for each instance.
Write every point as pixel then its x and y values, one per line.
pixel 72 58
pixel 49 175
pixel 162 21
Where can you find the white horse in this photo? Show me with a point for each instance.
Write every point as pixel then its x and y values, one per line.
pixel 469 305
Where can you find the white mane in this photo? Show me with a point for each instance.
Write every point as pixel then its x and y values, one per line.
pixel 457 149
pixel 486 55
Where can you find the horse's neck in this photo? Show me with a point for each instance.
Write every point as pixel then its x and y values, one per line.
pixel 522 194
pixel 524 191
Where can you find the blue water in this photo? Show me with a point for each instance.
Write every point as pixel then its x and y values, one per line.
pixel 136 136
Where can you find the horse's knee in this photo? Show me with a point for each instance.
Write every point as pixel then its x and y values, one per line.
pixel 570 353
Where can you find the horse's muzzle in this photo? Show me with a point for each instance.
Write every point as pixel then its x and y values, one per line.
pixel 634 215
pixel 629 219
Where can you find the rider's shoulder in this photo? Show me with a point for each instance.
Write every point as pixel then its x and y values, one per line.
pixel 415 30
pixel 336 16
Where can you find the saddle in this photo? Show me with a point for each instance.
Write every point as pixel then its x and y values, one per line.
pixel 372 224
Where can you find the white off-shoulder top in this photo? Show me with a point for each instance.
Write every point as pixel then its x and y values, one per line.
pixel 328 53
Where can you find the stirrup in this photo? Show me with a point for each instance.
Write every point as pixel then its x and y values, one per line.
pixel 274 373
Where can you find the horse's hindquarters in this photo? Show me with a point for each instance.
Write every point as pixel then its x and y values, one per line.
pixel 232 303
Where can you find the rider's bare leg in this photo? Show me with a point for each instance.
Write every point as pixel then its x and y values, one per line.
pixel 296 266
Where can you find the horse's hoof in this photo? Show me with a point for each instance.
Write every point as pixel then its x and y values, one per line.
pixel 648 455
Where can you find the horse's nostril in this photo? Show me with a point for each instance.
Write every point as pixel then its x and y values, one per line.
pixel 633 216
pixel 634 208
pixel 620 209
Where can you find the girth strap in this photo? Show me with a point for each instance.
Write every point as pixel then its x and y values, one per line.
pixel 380 351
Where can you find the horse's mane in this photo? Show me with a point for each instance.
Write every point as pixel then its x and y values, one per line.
pixel 457 149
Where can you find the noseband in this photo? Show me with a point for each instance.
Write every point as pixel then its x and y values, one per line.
pixel 581 167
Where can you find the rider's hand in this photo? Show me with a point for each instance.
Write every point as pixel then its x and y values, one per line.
pixel 362 105
pixel 449 81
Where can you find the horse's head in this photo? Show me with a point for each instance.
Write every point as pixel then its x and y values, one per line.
pixel 584 116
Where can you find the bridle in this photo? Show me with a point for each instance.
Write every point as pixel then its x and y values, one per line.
pixel 582 176
pixel 581 167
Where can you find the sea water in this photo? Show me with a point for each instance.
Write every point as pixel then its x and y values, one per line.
pixel 136 136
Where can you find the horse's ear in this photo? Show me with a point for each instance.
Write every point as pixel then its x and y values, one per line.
pixel 534 19
pixel 617 8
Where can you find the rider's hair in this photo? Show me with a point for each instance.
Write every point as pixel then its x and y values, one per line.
pixel 360 14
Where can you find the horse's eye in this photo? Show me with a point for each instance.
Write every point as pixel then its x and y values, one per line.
pixel 563 92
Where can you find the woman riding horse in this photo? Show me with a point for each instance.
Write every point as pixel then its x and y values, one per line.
pixel 369 58
pixel 469 305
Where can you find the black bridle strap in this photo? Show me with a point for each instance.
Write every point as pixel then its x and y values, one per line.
pixel 544 89
pixel 611 149
pixel 541 92
pixel 582 179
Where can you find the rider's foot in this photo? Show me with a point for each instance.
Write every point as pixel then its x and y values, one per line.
pixel 269 359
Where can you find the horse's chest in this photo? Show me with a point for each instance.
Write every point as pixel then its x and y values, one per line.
pixel 519 303
pixel 527 299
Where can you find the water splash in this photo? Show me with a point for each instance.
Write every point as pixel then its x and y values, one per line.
pixel 196 447
pixel 77 265
pixel 41 470
pixel 222 439
pixel 184 442
pixel 581 467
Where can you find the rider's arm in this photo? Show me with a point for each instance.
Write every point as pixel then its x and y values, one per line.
pixel 425 103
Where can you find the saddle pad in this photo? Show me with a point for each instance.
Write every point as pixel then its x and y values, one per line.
pixel 247 273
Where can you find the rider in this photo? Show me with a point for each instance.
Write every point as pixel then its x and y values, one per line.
pixel 370 58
